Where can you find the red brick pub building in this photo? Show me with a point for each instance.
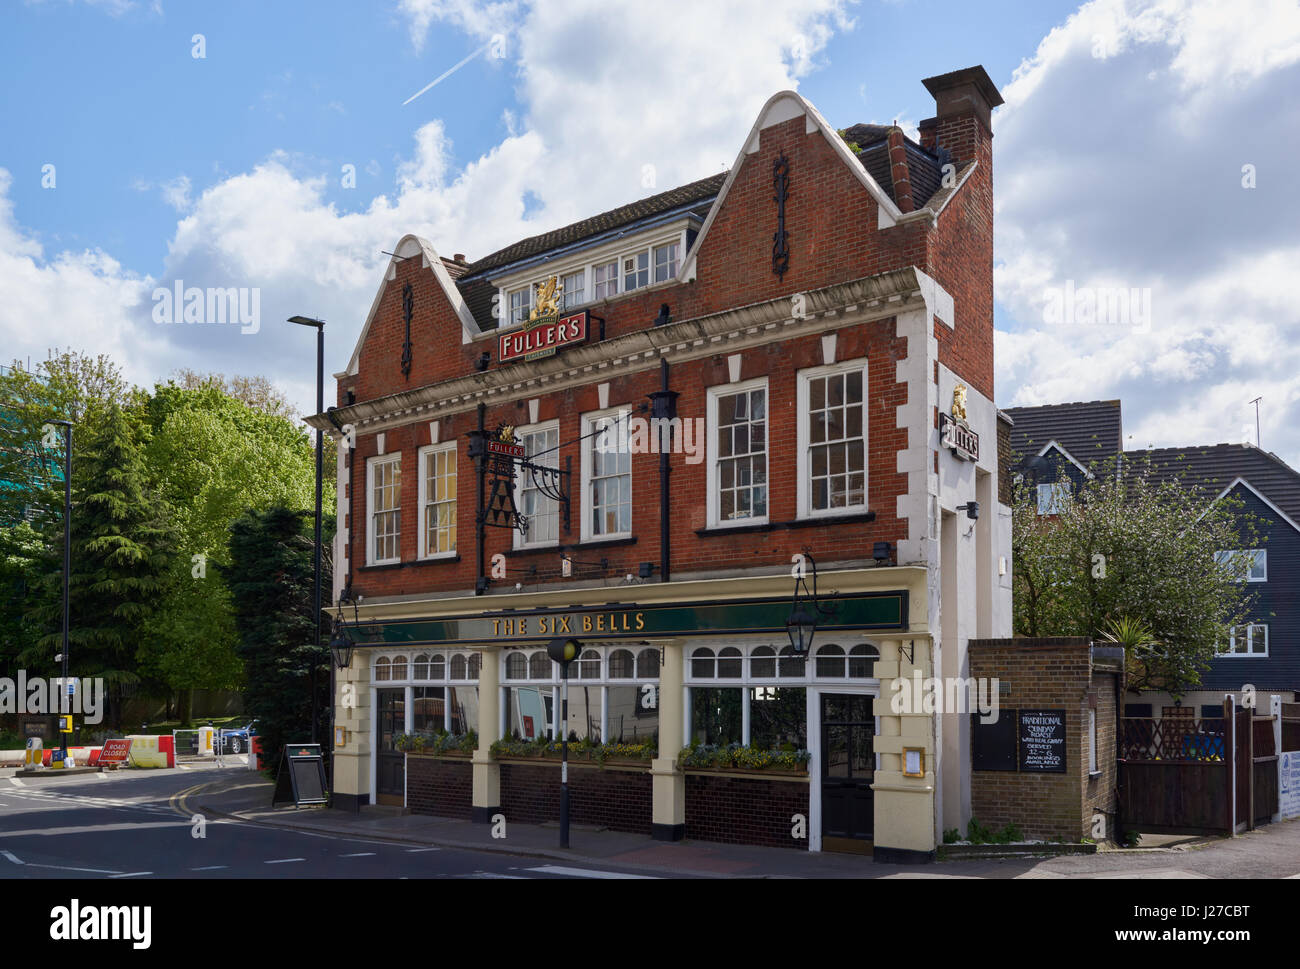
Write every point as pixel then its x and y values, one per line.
pixel 814 329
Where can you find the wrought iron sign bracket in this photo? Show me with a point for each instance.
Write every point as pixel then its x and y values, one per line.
pixel 408 305
pixel 780 250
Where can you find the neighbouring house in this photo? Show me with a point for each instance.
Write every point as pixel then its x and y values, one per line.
pixel 1076 440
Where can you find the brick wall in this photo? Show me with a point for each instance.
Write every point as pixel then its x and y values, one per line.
pixel 439 786
pixel 612 797
pixel 744 810
pixel 1049 674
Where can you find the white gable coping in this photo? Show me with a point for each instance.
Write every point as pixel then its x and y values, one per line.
pixel 1066 454
pixel 1249 487
pixel 780 107
pixel 408 247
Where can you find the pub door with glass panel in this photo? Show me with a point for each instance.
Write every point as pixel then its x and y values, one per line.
pixel 390 763
pixel 848 730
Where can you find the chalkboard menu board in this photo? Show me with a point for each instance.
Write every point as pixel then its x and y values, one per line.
pixel 1042 740
pixel 301 776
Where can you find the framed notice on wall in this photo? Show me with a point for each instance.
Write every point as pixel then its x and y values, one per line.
pixel 1041 735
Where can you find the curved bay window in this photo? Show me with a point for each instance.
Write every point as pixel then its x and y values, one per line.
pixel 613 695
pixel 757 694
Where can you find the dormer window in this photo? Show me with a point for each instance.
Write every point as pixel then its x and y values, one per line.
pixel 521 302
pixel 666 262
pixel 575 288
pixel 605 280
pixel 636 271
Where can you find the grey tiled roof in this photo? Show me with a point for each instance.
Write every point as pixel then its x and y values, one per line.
pixel 922 166
pixel 1090 430
pixel 1215 466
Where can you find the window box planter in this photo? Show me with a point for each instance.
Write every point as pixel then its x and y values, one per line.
pixel 747 761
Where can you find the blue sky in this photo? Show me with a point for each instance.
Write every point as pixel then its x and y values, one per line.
pixel 1118 163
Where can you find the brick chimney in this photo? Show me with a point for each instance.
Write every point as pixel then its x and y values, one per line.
pixel 898 170
pixel 964 101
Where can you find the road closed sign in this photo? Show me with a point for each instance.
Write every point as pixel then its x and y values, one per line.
pixel 115 753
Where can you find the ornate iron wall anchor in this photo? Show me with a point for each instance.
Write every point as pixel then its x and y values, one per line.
pixel 408 304
pixel 781 180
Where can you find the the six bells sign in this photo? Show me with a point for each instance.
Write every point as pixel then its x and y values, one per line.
pixel 545 331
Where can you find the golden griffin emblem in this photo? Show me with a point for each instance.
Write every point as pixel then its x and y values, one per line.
pixel 959 403
pixel 548 300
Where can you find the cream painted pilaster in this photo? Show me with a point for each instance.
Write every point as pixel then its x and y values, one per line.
pixel 905 806
pixel 668 818
pixel 487 772
pixel 352 713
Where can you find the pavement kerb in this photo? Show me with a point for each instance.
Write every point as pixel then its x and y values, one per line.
pixel 553 854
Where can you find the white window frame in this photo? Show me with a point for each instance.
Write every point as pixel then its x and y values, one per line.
pixel 617 263
pixel 804 466
pixel 522 541
pixel 371 535
pixel 526 306
pixel 585 505
pixel 1251 639
pixel 1056 495
pixel 424 552
pixel 714 497
pixel 674 264
pixel 1259 555
pixel 635 255
pixel 564 296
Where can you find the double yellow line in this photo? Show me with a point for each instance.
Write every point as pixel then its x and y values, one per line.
pixel 179 802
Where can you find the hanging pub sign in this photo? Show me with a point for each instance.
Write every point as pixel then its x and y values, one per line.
pixel 955 433
pixel 545 331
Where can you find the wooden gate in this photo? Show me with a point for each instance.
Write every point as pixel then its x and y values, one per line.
pixel 1180 775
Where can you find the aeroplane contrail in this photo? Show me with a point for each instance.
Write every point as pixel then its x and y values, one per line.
pixel 446 74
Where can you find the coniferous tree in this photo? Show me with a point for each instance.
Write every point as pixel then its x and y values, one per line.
pixel 122 547
pixel 270 578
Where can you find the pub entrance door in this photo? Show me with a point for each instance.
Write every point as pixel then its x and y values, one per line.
pixel 390 763
pixel 848 729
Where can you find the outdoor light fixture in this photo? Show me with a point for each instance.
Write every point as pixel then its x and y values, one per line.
pixel 802 624
pixel 341 647
pixel 564 651
pixel 646 569
pixel 882 552
pixel 484 359
pixel 972 510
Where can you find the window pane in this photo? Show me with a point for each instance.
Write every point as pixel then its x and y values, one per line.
pixel 716 715
pixel 792 664
pixel 437 667
pixel 729 662
pixel 528 711
pixel 621 665
pixel 427 716
pixel 778 715
pixel 584 712
pixel 647 664
pixel 633 713
pixel 702 663
pixel 830 661
pixel 464 708
pixel 539 666
pixel 762 662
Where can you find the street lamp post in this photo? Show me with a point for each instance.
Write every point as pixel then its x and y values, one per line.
pixel 67 565
pixel 320 406
pixel 563 651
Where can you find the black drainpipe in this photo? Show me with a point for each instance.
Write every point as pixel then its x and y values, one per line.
pixel 663 406
pixel 347 463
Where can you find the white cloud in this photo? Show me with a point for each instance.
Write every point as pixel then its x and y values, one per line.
pixel 1125 171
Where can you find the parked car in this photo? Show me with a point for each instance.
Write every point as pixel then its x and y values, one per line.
pixel 238 739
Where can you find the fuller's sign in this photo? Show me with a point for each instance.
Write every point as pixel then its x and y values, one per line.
pixel 955 433
pixel 542 337
pixel 545 330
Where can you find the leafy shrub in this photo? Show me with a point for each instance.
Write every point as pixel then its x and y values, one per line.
pixel 746 758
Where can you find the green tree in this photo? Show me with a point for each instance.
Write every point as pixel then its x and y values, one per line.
pixel 122 547
pixel 214 457
pixel 270 580
pixel 1132 552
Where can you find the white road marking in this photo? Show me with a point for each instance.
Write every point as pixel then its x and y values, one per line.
pixel 582 872
pixel 17 782
pixel 131 874
pixel 12 857
pixel 283 861
pixel 491 874
pixel 101 776
pixel 359 854
pixel 209 868
pixel 93 871
pixel 414 851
